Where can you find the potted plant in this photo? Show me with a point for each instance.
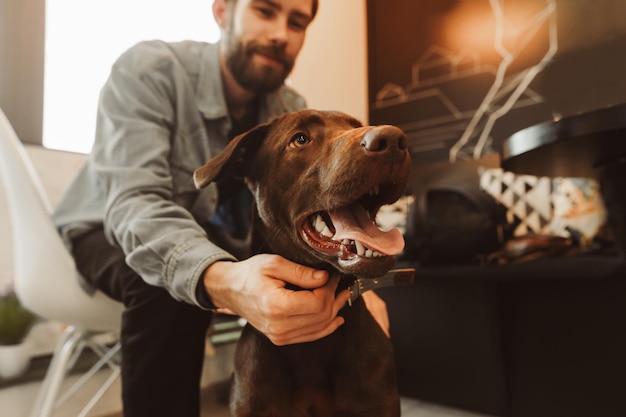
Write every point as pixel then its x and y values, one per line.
pixel 15 323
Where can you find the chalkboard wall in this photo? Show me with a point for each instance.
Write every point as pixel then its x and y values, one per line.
pixel 460 75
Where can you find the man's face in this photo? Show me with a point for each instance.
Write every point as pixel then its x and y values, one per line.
pixel 262 39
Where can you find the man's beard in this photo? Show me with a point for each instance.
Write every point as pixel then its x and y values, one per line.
pixel 258 80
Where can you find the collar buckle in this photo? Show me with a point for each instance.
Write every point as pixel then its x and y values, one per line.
pixel 395 277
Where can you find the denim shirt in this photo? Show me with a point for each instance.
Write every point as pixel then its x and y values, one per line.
pixel 161 115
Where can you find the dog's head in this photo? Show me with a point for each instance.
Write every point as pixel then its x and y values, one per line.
pixel 319 179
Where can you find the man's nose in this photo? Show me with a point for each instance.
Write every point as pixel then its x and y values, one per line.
pixel 278 31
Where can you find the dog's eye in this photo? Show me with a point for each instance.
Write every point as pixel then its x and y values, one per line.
pixel 300 139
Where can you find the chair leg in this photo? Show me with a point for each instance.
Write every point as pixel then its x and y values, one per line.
pixel 57 370
pixel 107 384
pixel 106 358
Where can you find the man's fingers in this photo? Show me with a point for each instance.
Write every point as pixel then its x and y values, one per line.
pixel 307 302
pixel 302 328
pixel 341 300
pixel 296 274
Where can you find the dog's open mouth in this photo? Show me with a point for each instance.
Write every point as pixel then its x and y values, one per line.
pixel 349 232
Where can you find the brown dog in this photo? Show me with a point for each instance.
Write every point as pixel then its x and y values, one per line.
pixel 318 180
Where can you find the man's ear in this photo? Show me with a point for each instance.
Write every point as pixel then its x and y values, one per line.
pixel 219 12
pixel 235 160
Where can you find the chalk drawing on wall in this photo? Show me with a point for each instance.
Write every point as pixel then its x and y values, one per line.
pixel 454 100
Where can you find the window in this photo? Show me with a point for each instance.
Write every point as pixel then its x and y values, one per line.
pixel 83 39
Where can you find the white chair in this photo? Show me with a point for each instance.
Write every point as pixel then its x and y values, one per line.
pixel 46 280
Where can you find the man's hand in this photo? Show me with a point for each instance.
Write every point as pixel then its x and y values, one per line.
pixel 255 290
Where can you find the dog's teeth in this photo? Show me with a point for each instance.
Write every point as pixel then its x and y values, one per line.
pixel 321 227
pixel 346 242
pixel 319 224
pixel 363 250
pixel 360 249
pixel 369 253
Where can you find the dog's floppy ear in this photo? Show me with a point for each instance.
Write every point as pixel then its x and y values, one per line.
pixel 234 160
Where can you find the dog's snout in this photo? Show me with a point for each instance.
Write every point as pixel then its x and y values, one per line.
pixel 384 139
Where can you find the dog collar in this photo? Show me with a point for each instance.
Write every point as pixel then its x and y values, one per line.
pixel 395 277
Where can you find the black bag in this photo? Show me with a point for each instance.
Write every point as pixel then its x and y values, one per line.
pixel 455 224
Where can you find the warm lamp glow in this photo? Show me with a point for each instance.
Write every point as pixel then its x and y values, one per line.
pixel 468 27
pixel 472 27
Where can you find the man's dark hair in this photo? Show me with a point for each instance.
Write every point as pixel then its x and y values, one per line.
pixel 313 9
pixel 315 6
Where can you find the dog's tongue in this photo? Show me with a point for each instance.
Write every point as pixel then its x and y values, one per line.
pixel 354 223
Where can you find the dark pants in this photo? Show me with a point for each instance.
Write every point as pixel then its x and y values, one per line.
pixel 162 339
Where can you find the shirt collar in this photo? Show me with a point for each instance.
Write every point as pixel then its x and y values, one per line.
pixel 210 91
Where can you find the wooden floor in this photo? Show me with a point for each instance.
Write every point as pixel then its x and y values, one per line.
pixel 16 399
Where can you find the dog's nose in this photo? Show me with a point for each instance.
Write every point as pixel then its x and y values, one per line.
pixel 384 139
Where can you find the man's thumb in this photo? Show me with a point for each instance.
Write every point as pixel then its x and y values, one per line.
pixel 310 278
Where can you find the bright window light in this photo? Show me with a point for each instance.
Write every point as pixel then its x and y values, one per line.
pixel 84 38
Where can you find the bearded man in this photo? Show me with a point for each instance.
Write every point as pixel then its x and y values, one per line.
pixel 141 232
